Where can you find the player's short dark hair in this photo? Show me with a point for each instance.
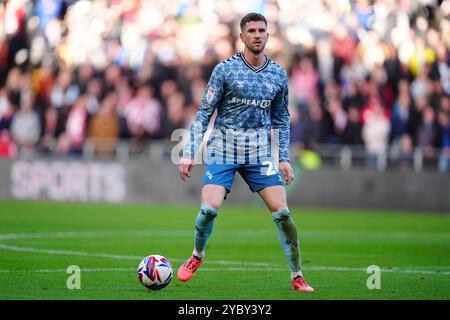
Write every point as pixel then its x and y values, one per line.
pixel 253 16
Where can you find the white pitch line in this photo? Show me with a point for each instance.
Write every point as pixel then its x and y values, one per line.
pixel 134 270
pixel 251 265
pixel 117 256
pixel 121 233
pixel 184 232
pixel 64 270
pixel 394 270
pixel 67 252
pixel 310 268
pixel 93 234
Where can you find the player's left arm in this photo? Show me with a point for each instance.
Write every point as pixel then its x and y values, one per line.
pixel 280 121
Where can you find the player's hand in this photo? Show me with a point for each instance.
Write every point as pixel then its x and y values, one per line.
pixel 184 167
pixel 286 172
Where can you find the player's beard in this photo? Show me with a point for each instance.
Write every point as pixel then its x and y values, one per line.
pixel 256 50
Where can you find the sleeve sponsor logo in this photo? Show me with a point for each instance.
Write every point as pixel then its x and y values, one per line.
pixel 210 93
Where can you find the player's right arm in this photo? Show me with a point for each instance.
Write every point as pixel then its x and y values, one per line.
pixel 211 99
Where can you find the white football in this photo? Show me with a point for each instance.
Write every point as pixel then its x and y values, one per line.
pixel 155 272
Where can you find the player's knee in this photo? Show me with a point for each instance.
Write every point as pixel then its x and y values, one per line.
pixel 209 211
pixel 278 206
pixel 213 202
pixel 282 217
pixel 283 213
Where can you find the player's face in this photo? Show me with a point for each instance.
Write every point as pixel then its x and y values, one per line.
pixel 255 36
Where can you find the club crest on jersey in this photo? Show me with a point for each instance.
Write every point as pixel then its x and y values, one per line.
pixel 240 84
pixel 269 86
pixel 210 94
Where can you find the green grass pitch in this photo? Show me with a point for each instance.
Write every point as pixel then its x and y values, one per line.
pixel 39 240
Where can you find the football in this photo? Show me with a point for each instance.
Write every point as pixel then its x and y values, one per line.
pixel 155 272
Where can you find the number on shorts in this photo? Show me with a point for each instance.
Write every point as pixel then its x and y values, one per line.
pixel 271 169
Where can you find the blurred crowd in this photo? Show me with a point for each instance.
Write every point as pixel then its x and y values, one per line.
pixel 369 73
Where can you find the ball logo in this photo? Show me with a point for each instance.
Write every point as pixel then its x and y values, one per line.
pixel 151 272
